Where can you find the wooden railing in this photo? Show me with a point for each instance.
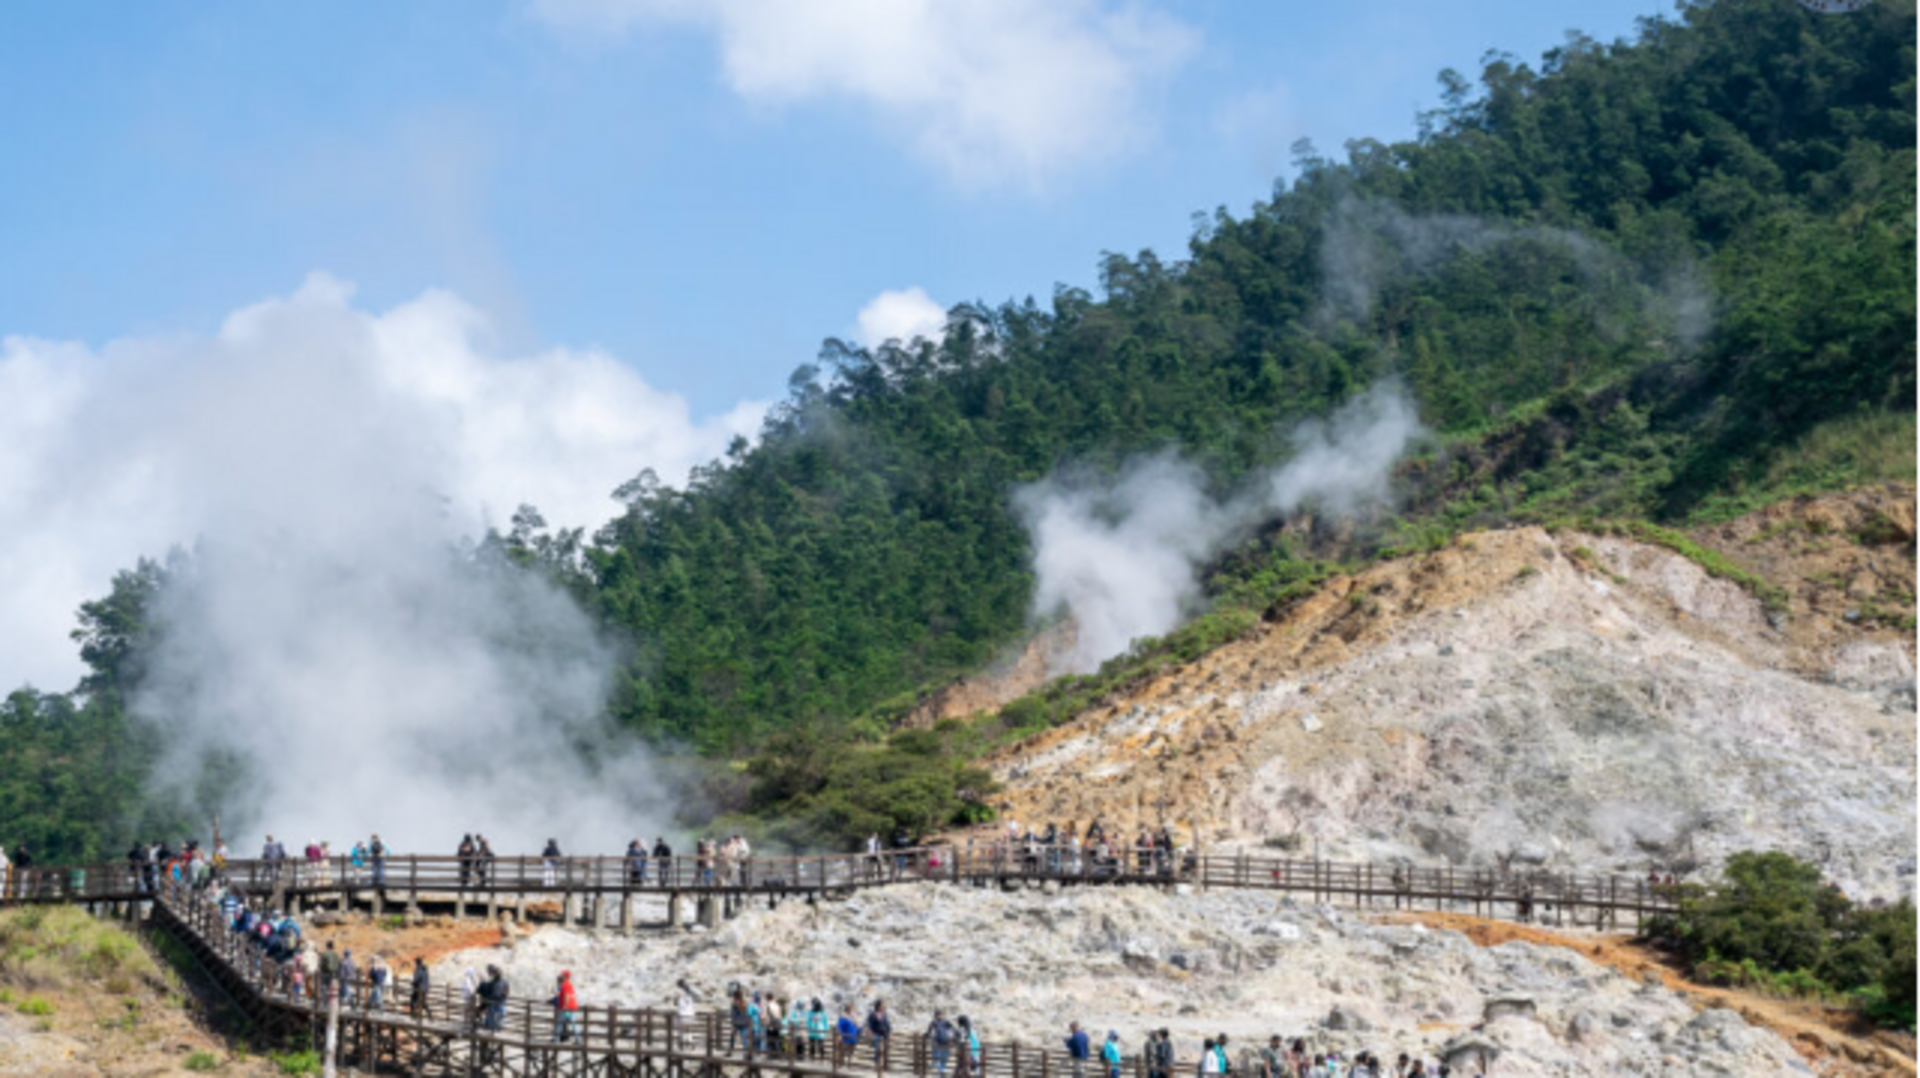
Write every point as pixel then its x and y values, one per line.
pixel 1485 890
pixel 522 1035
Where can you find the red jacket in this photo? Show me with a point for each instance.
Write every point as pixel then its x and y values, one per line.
pixel 565 999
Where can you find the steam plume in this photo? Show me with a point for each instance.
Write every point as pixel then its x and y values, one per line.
pixel 1121 555
pixel 1369 244
pixel 333 631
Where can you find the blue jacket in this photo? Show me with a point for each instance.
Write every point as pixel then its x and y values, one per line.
pixel 1078 1046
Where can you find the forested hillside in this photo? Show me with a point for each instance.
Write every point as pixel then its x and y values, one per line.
pixel 1663 279
pixel 1695 249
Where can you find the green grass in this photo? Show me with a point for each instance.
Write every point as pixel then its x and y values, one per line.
pixel 306 1061
pixel 201 1060
pixel 1851 451
pixel 1716 564
pixel 36 1006
pixel 56 946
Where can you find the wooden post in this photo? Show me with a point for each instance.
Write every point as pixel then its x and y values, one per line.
pixel 329 1066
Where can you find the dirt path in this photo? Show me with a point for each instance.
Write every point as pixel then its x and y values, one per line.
pixel 1833 1040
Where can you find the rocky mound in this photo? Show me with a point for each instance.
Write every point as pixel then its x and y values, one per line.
pixel 1023 965
pixel 1563 700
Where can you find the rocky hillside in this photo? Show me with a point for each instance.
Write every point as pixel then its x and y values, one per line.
pixel 1023 965
pixel 1559 699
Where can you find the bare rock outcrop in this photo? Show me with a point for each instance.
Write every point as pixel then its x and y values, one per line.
pixel 1566 701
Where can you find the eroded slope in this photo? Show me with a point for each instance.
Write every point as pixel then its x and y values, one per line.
pixel 1569 700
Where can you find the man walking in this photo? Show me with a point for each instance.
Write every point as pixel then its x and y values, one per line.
pixel 417 1003
pixel 493 996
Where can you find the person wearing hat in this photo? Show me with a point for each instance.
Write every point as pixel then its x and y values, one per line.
pixel 1110 1053
pixel 566 1007
pixel 493 998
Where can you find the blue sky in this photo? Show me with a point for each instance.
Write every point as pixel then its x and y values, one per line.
pixel 633 175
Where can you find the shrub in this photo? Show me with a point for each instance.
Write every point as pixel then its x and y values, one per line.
pixel 36 1006
pixel 62 945
pixel 298 1063
pixel 201 1060
pixel 1770 922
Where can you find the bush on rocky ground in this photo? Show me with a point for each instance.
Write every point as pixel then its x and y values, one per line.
pixel 1771 922
pixel 62 946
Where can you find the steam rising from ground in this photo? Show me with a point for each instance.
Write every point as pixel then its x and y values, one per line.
pixel 333 631
pixel 1121 555
pixel 1368 245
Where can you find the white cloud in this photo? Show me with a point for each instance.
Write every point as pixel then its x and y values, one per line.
pixel 307 415
pixel 900 315
pixel 990 91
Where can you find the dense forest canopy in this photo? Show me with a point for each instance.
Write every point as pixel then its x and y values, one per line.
pixel 1661 279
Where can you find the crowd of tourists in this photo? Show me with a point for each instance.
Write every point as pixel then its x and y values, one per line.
pixel 365 862
pixel 1068 851
pixel 752 1022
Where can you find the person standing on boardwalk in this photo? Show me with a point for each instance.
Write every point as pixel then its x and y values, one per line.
pixel 818 1025
pixel 1273 1060
pixel 378 977
pixel 377 853
pixel 349 974
pixel 418 1003
pixel 684 1001
pixel 566 1007
pixel 1110 1053
pixel 796 1031
pixel 329 970
pixel 493 996
pixel 484 863
pixel 849 1029
pixel 969 1049
pixel 549 863
pixel 662 860
pixel 941 1034
pixel 880 1028
pixel 1160 1055
pixel 465 853
pixel 1078 1049
pixel 739 1021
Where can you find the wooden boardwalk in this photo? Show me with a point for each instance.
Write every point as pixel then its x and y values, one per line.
pixel 448 1038
pixel 599 891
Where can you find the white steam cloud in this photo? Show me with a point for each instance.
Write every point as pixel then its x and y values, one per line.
pixel 1121 556
pixel 328 466
pixel 1368 244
